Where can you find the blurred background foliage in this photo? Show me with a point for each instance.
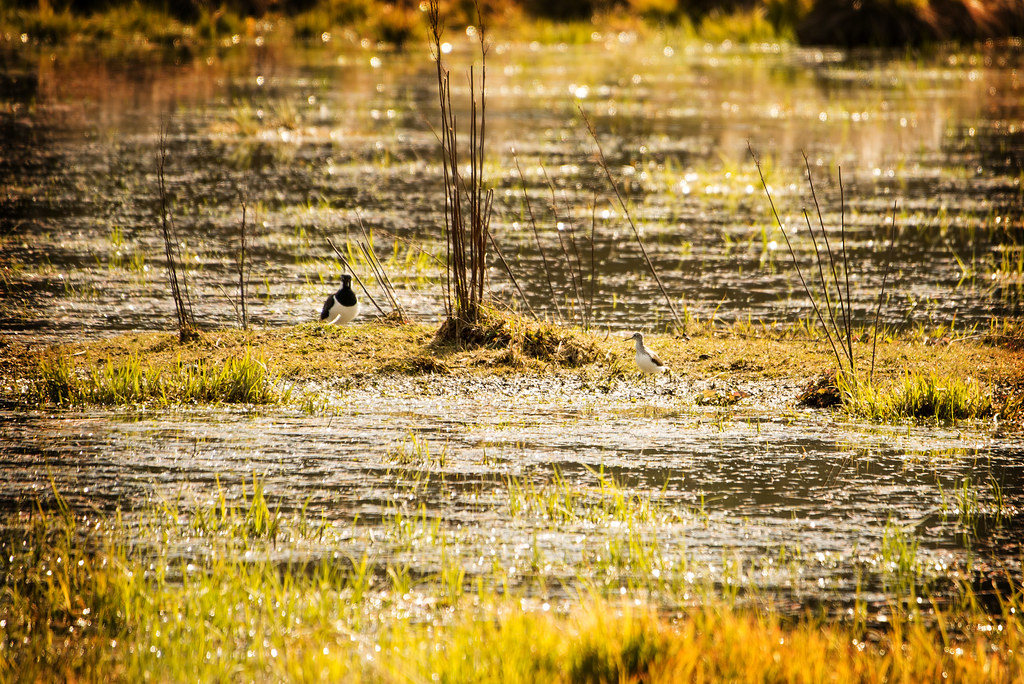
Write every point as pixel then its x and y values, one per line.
pixel 843 23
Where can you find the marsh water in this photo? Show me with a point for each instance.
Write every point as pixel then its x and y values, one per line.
pixel 315 139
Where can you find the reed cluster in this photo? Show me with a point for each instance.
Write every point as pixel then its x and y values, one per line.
pixel 467 200
pixel 915 395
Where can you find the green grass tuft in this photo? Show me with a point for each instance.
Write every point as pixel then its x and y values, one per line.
pixel 244 380
pixel 240 380
pixel 916 396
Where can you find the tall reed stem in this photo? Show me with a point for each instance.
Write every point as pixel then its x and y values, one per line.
pixel 178 281
pixel 467 201
pixel 881 292
pixel 843 333
pixel 536 236
pixel 625 210
pixel 243 266
pixel 796 262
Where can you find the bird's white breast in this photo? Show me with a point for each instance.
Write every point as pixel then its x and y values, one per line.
pixel 646 364
pixel 341 314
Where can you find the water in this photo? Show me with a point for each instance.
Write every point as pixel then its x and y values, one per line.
pixel 318 137
pixel 315 139
pixel 751 485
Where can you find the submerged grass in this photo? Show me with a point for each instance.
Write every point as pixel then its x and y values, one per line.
pixel 213 596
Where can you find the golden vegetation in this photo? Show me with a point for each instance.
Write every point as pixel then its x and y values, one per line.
pixel 156 367
pixel 82 600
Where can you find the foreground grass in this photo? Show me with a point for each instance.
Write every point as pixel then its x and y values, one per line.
pixel 211 593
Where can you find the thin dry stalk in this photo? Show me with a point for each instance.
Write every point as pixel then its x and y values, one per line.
pixel 881 292
pixel 575 272
pixel 843 307
pixel 792 254
pixel 593 270
pixel 348 267
pixel 584 311
pixel 824 289
pixel 244 264
pixel 178 282
pixel 846 261
pixel 536 236
pixel 484 198
pixel 378 269
pixel 241 270
pixel 625 210
pixel 512 276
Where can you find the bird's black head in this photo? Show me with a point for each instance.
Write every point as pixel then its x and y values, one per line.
pixel 346 280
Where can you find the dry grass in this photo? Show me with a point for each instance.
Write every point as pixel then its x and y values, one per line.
pixel 504 344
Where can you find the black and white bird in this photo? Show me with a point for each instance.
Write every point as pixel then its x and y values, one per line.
pixel 342 306
pixel 646 360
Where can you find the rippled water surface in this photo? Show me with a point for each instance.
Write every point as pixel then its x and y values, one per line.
pixel 315 139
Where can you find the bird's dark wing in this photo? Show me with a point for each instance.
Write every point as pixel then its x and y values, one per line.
pixel 656 361
pixel 327 308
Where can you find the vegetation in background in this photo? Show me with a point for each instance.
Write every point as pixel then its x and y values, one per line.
pixel 187 26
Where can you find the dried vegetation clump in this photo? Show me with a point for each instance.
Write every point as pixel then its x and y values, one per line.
pixel 521 339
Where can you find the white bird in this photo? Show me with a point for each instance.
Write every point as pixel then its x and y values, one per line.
pixel 646 360
pixel 342 306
